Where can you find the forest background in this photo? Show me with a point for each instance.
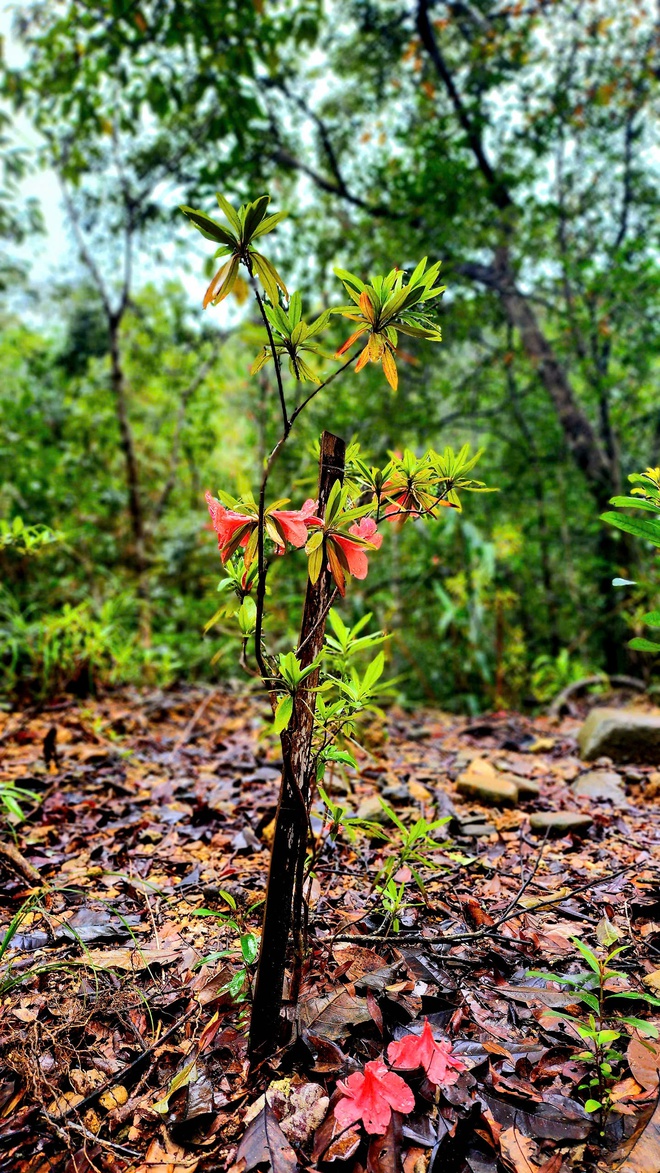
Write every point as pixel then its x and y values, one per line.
pixel 516 142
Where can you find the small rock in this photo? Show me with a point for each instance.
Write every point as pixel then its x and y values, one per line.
pixel 634 776
pixel 476 830
pixel 601 784
pixel 496 791
pixel 399 793
pixel 624 735
pixel 528 788
pixel 419 734
pixel 561 822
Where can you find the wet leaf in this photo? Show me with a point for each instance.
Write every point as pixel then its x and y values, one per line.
pixel 264 1143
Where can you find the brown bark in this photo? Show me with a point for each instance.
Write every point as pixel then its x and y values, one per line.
pixel 284 894
pixel 578 431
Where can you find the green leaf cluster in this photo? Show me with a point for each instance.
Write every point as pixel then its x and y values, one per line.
pixel 246 224
pixel 292 338
pixel 647 497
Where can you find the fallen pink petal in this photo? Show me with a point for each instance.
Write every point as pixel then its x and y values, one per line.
pixel 370 1097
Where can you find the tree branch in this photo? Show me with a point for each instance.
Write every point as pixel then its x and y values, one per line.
pixel 498 191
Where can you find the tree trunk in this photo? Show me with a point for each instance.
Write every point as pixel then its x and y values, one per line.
pixel 284 894
pixel 128 447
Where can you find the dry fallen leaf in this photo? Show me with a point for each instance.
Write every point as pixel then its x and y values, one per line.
pixel 644 1061
pixel 642 1152
pixel 517 1151
pixel 264 1143
pixel 166 1157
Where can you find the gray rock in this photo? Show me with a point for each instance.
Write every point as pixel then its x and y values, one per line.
pixel 399 793
pixel 476 830
pixel 561 823
pixel 497 791
pixel 601 784
pixel 527 787
pixel 623 735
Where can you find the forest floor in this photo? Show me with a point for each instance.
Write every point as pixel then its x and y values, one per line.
pixel 125 990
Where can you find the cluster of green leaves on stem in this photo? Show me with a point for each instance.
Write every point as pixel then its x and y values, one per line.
pixel 386 307
pixel 645 495
pixel 293 338
pixel 248 947
pixel 599 989
pixel 246 224
pixel 27 539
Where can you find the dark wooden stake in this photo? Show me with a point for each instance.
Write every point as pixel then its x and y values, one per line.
pixel 284 894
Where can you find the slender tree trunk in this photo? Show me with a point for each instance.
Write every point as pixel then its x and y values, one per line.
pixel 127 446
pixel 132 478
pixel 284 894
pixel 580 436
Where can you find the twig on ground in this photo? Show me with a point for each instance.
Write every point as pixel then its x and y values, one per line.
pixel 119 1150
pixel 17 862
pixel 480 934
pixel 197 715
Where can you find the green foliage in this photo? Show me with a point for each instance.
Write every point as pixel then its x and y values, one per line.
pixel 26 539
pixel 599 988
pixel 387 307
pixel 78 647
pixel 247 223
pixel 11 798
pixel 292 338
pixel 385 170
pixel 551 674
pixel 647 497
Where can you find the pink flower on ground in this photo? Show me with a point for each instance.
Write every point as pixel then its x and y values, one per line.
pixel 356 554
pixel 370 1096
pixel 440 1064
pixel 295 522
pixel 226 524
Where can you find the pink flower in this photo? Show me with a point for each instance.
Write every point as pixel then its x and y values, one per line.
pixel 227 524
pixel 413 1051
pixel 282 525
pixel 355 553
pixel 370 1096
pixel 295 522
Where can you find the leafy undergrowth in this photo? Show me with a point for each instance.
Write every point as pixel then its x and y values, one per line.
pixel 126 972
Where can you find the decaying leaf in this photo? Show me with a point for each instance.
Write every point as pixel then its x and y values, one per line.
pixel 517 1151
pixel 264 1143
pixel 333 1015
pixel 644 1061
pixel 642 1152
